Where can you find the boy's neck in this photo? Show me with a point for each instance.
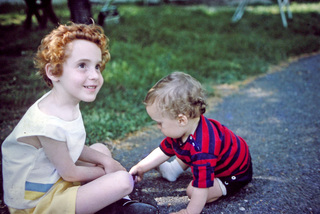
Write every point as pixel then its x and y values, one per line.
pixel 192 127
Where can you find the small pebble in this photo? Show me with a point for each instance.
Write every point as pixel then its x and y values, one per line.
pixel 242 209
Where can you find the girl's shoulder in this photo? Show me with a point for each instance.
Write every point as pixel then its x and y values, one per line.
pixel 37 123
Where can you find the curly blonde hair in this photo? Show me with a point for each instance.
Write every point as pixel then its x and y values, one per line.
pixel 178 93
pixel 53 47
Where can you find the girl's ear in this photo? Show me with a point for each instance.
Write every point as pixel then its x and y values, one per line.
pixel 182 119
pixel 49 73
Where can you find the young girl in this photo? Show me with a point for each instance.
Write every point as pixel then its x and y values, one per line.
pixel 45 158
pixel 219 160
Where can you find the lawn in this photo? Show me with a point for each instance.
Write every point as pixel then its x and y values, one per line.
pixel 149 43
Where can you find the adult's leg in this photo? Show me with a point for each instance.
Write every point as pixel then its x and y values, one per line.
pixel 48 12
pixel 32 9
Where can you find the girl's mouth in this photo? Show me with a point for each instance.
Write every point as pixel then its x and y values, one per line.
pixel 90 87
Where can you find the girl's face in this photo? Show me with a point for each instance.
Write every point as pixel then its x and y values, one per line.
pixel 169 127
pixel 81 78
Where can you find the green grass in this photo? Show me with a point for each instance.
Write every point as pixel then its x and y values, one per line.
pixel 151 42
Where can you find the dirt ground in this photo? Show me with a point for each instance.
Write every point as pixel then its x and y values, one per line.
pixel 278 115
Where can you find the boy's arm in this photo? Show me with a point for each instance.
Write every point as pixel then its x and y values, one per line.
pixel 154 159
pixel 57 152
pixel 197 201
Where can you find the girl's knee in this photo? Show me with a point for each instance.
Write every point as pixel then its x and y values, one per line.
pixel 120 181
pixel 101 148
pixel 124 180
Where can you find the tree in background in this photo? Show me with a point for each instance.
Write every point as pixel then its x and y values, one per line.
pixel 80 11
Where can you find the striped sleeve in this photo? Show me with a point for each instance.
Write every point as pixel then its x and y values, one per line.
pixel 166 146
pixel 203 171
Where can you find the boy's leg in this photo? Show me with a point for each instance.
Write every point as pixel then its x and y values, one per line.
pixel 172 170
pixel 215 192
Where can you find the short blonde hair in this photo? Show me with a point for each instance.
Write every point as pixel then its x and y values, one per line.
pixel 178 93
pixel 53 47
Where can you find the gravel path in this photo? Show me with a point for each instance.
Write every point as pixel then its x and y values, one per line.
pixel 278 115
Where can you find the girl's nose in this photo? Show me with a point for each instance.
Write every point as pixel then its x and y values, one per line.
pixel 94 74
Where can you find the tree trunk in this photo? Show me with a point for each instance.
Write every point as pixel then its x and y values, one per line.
pixel 80 11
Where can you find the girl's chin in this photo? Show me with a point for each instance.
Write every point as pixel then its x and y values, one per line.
pixel 89 99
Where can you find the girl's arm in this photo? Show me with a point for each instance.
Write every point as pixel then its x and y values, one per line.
pixel 57 152
pixel 93 156
pixel 154 159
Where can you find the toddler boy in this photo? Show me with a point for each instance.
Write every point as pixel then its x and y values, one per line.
pixel 219 160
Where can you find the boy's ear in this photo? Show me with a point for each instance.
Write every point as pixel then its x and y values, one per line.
pixel 49 73
pixel 182 119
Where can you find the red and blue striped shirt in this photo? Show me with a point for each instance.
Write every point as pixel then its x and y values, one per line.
pixel 212 151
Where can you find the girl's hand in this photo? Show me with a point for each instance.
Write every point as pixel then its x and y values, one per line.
pixel 184 211
pixel 113 166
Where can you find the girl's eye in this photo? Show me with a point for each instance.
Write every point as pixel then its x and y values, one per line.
pixel 82 65
pixel 98 67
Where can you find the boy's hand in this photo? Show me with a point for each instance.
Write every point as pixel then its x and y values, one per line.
pixel 184 211
pixel 154 159
pixel 136 173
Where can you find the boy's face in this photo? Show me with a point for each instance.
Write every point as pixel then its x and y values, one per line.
pixel 169 127
pixel 81 78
